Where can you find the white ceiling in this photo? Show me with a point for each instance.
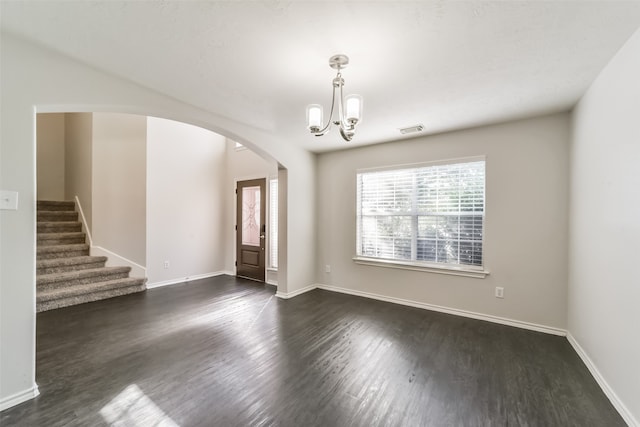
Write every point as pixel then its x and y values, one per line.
pixel 445 64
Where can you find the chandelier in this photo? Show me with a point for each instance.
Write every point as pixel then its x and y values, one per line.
pixel 349 108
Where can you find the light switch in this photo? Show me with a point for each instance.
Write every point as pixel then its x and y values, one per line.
pixel 8 200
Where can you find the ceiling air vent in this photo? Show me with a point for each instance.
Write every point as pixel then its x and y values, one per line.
pixel 412 129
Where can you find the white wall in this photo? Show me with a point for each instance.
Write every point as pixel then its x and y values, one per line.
pixel 185 201
pixel 78 161
pixel 604 280
pixel 241 165
pixel 525 229
pixel 50 134
pixel 119 185
pixel 36 79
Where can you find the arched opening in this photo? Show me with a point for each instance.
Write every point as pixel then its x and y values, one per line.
pixel 39 80
pixel 153 194
pixel 166 158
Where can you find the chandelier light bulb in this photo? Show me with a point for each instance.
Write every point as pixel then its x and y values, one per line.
pixel 353 112
pixel 314 117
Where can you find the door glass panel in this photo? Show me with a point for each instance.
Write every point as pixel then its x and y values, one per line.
pixel 251 216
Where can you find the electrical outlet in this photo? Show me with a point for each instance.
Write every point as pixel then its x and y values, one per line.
pixel 327 268
pixel 166 264
pixel 499 292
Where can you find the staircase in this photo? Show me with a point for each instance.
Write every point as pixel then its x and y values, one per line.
pixel 65 273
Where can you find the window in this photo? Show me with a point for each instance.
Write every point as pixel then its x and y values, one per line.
pixel 273 223
pixel 423 215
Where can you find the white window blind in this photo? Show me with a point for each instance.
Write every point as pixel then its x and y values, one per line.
pixel 273 223
pixel 427 214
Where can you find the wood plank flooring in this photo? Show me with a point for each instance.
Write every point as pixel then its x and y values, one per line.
pixel 227 352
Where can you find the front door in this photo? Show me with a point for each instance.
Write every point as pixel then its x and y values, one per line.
pixel 250 226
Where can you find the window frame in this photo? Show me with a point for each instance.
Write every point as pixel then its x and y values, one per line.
pixel 476 271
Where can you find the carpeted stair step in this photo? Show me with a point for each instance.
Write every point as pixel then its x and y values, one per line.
pixel 61 265
pixel 48 239
pixel 49 205
pixel 57 216
pixel 47 282
pixel 62 251
pixel 65 273
pixel 59 226
pixel 72 295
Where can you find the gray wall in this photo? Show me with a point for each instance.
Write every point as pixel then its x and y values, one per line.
pixel 604 280
pixel 78 161
pixel 525 231
pixel 185 194
pixel 50 134
pixel 120 184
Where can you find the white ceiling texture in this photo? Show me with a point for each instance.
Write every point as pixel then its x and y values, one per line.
pixel 445 64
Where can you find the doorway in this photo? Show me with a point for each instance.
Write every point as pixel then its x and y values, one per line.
pixel 251 229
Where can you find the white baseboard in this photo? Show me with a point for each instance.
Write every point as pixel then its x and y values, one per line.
pixel 608 391
pixel 448 310
pixel 287 295
pixel 187 279
pixel 116 260
pixel 18 398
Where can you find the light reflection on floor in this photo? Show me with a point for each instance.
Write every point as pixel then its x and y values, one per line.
pixel 132 408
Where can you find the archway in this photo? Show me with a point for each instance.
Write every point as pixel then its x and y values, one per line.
pixel 39 80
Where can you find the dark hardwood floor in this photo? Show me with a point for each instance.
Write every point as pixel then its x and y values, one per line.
pixel 227 352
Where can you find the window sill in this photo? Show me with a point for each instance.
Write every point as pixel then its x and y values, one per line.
pixel 408 265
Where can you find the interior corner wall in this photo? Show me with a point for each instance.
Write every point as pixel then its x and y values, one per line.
pixel 185 201
pixel 78 161
pixel 604 280
pixel 119 186
pixel 50 134
pixel 240 165
pixel 526 223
